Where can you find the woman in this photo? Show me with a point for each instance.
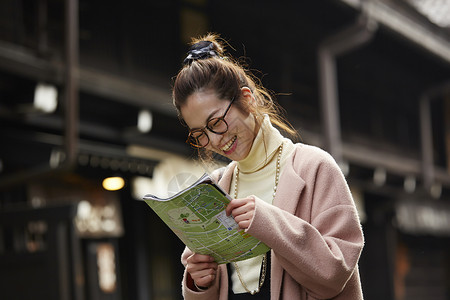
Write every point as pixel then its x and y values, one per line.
pixel 292 197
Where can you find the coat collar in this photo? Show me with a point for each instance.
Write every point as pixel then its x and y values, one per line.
pixel 289 187
pixel 287 197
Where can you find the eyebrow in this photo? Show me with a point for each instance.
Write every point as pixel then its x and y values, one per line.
pixel 210 116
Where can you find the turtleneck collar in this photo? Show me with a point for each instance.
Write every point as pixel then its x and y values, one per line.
pixel 264 147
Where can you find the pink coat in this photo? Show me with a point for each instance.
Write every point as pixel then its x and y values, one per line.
pixel 313 229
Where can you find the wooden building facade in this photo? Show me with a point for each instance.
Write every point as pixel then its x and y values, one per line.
pixel 369 81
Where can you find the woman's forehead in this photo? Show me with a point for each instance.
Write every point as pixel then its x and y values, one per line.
pixel 199 107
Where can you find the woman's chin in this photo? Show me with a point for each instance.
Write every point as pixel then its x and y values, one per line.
pixel 239 153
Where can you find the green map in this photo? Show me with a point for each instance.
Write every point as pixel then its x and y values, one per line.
pixel 197 216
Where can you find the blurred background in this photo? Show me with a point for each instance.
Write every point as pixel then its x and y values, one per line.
pixel 85 96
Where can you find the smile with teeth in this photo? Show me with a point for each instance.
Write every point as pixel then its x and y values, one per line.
pixel 228 145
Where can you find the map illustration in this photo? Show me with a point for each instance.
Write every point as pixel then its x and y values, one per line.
pixel 197 216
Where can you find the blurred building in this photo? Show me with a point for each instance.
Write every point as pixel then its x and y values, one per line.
pixel 85 95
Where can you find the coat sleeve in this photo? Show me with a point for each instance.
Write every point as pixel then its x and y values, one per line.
pixel 320 251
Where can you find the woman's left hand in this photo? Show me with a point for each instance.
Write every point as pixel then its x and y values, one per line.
pixel 243 210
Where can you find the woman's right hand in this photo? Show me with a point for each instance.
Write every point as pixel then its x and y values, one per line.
pixel 202 268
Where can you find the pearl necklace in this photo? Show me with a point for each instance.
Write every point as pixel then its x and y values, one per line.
pixel 264 261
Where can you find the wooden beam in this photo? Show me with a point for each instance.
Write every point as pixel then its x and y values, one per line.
pixel 23 62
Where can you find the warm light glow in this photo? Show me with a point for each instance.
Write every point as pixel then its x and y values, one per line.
pixel 113 183
pixel 45 98
pixel 106 264
pixel 145 121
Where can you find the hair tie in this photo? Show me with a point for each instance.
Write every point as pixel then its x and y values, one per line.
pixel 200 50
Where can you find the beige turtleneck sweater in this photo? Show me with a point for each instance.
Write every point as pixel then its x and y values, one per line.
pixel 257 177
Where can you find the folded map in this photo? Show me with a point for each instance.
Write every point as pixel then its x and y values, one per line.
pixel 197 216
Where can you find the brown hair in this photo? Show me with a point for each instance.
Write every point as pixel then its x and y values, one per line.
pixel 225 76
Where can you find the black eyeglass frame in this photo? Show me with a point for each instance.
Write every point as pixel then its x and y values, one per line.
pixel 193 141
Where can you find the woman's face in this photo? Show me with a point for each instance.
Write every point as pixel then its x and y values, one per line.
pixel 236 143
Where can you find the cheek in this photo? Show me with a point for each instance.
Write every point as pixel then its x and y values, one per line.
pixel 241 121
pixel 247 126
pixel 246 132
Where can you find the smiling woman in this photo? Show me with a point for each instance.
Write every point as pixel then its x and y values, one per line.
pixel 218 125
pixel 292 197
pixel 208 72
pixel 238 131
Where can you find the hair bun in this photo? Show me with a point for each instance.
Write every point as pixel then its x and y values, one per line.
pixel 200 50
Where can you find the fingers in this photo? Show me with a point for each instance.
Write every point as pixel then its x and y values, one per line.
pixel 234 204
pixel 202 269
pixel 244 224
pixel 240 206
pixel 205 280
pixel 196 258
pixel 242 210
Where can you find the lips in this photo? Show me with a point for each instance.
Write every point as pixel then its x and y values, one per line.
pixel 229 145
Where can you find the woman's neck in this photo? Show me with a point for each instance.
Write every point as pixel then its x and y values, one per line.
pixel 264 147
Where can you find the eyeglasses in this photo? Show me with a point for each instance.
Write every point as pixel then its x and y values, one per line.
pixel 198 138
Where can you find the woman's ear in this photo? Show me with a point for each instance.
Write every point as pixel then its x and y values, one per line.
pixel 249 97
